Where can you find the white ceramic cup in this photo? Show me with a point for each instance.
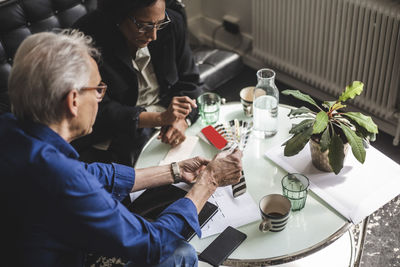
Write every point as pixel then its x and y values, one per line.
pixel 246 98
pixel 275 212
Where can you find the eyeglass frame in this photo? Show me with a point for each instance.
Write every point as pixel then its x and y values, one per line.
pixel 102 86
pixel 150 26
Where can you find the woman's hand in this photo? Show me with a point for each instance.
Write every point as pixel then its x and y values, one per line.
pixel 178 109
pixel 173 134
pixel 191 168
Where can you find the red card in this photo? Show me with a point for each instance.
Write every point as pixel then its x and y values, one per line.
pixel 214 137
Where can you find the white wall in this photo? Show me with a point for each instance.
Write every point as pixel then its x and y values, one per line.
pixel 205 16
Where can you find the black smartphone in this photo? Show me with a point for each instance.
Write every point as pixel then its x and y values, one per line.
pixel 223 246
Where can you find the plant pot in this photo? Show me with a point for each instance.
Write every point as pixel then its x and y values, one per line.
pixel 320 159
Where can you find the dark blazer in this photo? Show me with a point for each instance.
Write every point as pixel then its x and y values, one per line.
pixel 172 60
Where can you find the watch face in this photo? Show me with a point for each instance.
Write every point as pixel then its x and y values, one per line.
pixel 176 173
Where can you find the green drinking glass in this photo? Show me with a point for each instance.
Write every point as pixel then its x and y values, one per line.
pixel 209 104
pixel 295 187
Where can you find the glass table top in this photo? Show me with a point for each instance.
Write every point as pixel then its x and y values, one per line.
pixel 308 230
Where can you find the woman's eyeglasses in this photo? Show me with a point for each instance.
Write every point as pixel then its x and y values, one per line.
pixel 101 90
pixel 144 27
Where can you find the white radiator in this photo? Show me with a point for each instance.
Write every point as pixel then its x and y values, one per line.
pixel 327 44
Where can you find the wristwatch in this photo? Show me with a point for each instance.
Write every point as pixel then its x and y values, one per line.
pixel 176 173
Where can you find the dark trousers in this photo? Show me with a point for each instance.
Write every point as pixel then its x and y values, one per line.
pixel 125 149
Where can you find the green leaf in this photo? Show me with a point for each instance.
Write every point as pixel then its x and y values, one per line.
pixel 299 95
pixel 336 153
pixel 325 140
pixel 363 121
pixel 356 143
pixel 295 144
pixel 328 104
pixel 296 128
pixel 338 105
pixel 299 111
pixel 362 132
pixel 351 91
pixel 321 121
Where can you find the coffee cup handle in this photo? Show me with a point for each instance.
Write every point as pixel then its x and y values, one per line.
pixel 265 225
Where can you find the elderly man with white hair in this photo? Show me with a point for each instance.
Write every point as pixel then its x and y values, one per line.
pixel 58 208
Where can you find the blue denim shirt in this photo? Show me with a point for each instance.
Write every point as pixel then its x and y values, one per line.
pixel 59 208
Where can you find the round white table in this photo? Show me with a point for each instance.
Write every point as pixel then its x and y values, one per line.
pixel 314 227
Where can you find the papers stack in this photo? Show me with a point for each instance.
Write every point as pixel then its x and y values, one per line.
pixel 357 191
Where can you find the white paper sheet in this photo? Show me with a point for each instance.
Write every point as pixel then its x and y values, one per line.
pixel 182 151
pixel 357 191
pixel 233 212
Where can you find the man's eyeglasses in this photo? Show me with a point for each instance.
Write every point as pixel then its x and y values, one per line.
pixel 148 26
pixel 101 89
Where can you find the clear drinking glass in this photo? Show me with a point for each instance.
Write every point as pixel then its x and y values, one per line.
pixel 265 104
pixel 209 104
pixel 294 187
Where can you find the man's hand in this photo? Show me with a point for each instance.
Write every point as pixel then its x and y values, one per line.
pixel 224 169
pixel 178 109
pixel 173 134
pixel 191 168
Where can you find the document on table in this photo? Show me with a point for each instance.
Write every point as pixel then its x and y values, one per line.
pixel 233 212
pixel 182 151
pixel 357 191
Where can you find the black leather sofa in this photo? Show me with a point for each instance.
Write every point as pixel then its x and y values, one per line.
pixel 19 19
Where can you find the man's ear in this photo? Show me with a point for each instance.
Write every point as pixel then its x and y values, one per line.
pixel 72 103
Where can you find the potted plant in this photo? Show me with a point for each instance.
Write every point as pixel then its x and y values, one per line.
pixel 330 130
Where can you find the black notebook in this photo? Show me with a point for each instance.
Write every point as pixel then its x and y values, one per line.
pixel 153 201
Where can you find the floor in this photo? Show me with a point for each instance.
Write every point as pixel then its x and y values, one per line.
pixel 381 246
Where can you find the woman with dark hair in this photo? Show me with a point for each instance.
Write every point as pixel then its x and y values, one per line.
pixel 150 72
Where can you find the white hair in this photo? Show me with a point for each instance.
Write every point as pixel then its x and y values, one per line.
pixel 46 67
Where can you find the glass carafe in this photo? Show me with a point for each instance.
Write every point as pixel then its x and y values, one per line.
pixel 265 104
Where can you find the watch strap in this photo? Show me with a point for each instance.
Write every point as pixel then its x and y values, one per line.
pixel 188 121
